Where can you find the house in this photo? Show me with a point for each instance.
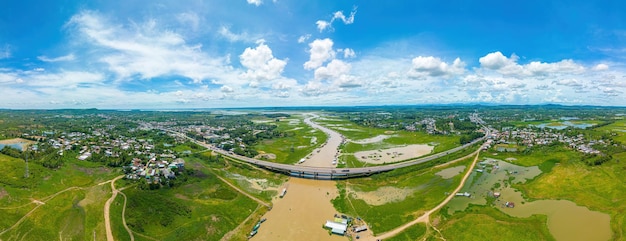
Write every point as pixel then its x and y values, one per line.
pixel 336 228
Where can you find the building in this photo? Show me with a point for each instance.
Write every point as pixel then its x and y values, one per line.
pixel 336 228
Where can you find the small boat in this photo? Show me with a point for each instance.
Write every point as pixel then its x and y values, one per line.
pixel 256 227
pixel 253 233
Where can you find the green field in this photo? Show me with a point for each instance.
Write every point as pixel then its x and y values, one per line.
pixel 616 129
pixel 427 188
pixel 296 144
pixel 487 223
pixel 73 214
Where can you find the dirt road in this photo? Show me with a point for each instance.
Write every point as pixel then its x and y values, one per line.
pixel 107 207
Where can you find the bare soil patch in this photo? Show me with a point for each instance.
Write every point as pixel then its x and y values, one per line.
pixel 383 195
pixel 395 154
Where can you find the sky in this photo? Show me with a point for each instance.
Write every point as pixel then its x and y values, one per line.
pixel 155 54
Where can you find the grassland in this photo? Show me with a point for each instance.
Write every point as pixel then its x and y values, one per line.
pixel 599 188
pixel 296 144
pixel 487 223
pixel 429 190
pixel 75 213
pixel 618 129
pixel 415 232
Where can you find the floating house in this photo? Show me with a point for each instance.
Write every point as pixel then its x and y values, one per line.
pixel 336 228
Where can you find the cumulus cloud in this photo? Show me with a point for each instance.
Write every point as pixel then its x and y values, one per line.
pixel 348 53
pixel 68 57
pixel 601 67
pixel 255 2
pixel 226 89
pixel 496 60
pixel 333 70
pixel 509 66
pixel 321 50
pixel 261 63
pixel 434 67
pixel 323 25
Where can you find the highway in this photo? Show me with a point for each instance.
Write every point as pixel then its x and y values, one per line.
pixel 328 173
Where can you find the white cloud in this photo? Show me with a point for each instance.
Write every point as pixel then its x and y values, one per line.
pixel 348 20
pixel 323 25
pixel 226 89
pixel 261 63
pixel 509 66
pixel 320 51
pixel 497 61
pixel 568 82
pixel 335 69
pixel 68 57
pixel 147 51
pixel 304 38
pixel 567 65
pixel 432 66
pixel 348 53
pixel 255 2
pixel 601 67
pixel 234 37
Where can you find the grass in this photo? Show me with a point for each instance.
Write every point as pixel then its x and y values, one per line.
pixel 117 225
pixel 618 129
pixel 412 233
pixel 430 190
pixel 487 223
pixel 536 155
pixel 295 145
pixel 599 188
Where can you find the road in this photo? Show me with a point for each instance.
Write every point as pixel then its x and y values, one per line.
pixel 107 207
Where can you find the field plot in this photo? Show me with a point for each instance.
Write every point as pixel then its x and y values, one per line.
pixel 299 141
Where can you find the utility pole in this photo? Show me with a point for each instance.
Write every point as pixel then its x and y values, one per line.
pixel 26 159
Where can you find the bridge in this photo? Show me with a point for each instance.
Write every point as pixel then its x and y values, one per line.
pixel 330 173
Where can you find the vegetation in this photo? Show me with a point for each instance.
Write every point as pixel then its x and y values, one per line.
pixel 427 188
pixel 487 223
pixel 298 141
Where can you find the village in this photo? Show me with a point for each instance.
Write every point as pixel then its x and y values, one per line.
pixel 530 137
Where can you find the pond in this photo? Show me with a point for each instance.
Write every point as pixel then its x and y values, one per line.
pixel 564 124
pixel 19 145
pixel 450 172
pixel 566 220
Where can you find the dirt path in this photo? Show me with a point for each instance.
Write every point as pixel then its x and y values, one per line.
pixel 130 232
pixel 39 204
pixel 107 207
pixel 228 235
pixel 425 218
pixel 244 193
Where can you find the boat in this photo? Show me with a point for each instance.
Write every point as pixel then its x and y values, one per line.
pixel 256 227
pixel 282 194
pixel 253 233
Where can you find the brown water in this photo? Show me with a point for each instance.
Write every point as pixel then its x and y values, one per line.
pixel 301 213
pixel 566 220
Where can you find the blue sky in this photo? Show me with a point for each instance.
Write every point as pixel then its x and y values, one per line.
pixel 248 53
